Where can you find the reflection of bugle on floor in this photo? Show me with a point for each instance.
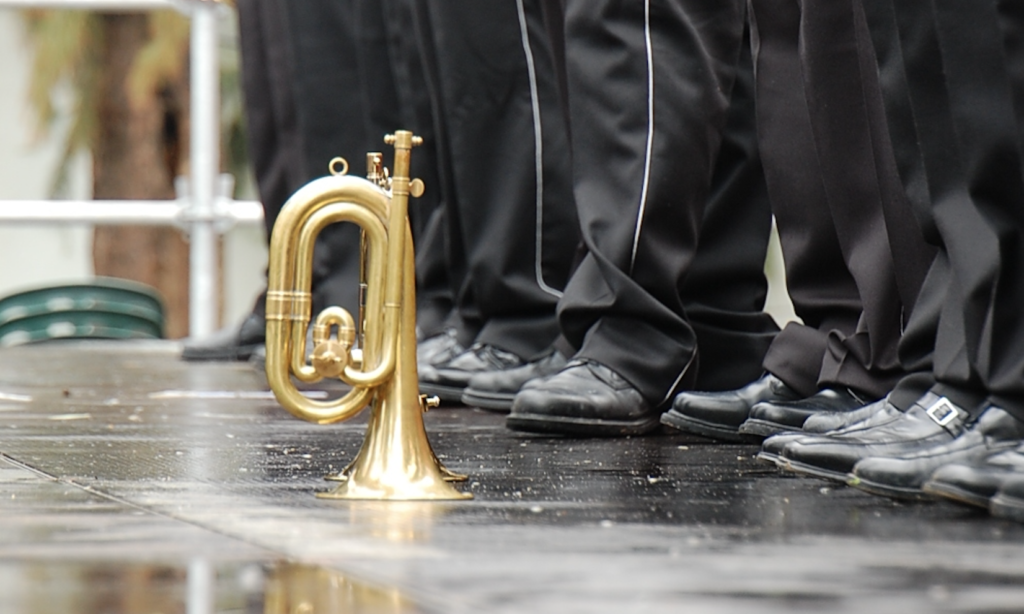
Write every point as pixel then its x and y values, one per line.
pixel 304 589
pixel 396 460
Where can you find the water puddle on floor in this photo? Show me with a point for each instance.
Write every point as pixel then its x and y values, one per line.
pixel 198 587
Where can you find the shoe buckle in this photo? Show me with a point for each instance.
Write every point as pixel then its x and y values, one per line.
pixel 942 412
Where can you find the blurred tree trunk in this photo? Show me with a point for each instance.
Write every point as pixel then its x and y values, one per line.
pixel 137 152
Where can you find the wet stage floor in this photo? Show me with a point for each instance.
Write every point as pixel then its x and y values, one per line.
pixel 132 482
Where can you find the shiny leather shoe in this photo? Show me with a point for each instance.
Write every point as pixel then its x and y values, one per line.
pixel 772 447
pixel 869 415
pixel 976 483
pixel 829 421
pixel 931 421
pixel 720 414
pixel 770 417
pixel 1009 501
pixel 584 398
pixel 901 477
pixel 495 390
pixel 448 380
pixel 228 344
pixel 438 349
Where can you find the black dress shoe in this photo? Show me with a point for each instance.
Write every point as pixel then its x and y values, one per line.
pixel 584 398
pixel 830 421
pixel 770 417
pixel 495 390
pixel 228 344
pixel 720 414
pixel 976 483
pixel 826 422
pixel 931 421
pixel 438 349
pixel 1009 501
pixel 869 415
pixel 902 476
pixel 447 380
pixel 771 448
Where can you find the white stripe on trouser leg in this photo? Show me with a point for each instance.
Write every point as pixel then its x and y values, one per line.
pixel 538 152
pixel 650 133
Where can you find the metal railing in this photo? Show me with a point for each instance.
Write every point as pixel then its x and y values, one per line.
pixel 204 208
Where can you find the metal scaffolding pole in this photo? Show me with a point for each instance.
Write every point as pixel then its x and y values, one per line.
pixel 136 212
pixel 205 165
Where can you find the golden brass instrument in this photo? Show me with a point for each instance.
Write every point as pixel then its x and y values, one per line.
pixel 396 460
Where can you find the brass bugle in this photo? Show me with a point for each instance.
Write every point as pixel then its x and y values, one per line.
pixel 375 355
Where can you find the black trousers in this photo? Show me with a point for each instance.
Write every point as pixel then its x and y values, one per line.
pixel 650 85
pixel 965 88
pixel 855 254
pixel 725 289
pixel 395 95
pixel 298 78
pixel 509 218
pixel 274 136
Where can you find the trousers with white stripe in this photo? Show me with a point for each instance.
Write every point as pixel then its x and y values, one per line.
pixel 650 86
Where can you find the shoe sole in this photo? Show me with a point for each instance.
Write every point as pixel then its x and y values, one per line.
pixel 763 429
pixel 1007 507
pixel 589 427
pixel 955 494
pixel 448 394
pixel 816 472
pixel 496 402
pixel 769 457
pixel 239 353
pixel 706 429
pixel 887 490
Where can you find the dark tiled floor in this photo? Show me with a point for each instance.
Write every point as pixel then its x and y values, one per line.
pixel 133 482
